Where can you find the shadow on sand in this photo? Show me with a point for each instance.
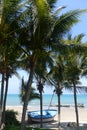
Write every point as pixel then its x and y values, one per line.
pixel 54 125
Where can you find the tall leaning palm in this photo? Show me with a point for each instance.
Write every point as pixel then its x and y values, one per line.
pixel 43 31
pixel 8 40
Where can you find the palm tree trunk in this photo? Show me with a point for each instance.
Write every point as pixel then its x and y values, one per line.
pixel 58 110
pixel 41 113
pixel 0 116
pixel 27 95
pixel 2 89
pixel 1 102
pixel 5 98
pixel 40 88
pixel 76 108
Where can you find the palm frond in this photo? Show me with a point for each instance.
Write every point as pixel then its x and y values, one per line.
pixel 66 21
pixel 23 89
pixel 57 11
pixel 52 3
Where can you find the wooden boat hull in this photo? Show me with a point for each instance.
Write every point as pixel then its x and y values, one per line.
pixel 47 116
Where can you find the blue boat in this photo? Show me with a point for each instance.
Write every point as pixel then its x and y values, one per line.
pixel 48 115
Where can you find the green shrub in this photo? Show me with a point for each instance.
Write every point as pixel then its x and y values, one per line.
pixel 27 128
pixel 10 118
pixel 12 127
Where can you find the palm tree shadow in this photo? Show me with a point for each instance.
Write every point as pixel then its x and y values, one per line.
pixel 51 124
pixel 54 125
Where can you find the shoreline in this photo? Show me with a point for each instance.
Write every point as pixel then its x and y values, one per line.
pixel 51 106
pixel 66 99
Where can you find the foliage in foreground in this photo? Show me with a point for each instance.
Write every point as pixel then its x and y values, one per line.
pixel 11 118
pixel 27 128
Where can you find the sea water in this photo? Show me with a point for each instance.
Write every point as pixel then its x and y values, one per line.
pixel 66 99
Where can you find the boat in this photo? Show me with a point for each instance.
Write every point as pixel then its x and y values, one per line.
pixel 47 115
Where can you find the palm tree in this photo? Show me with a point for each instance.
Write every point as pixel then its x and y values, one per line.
pixel 74 61
pixel 8 44
pixel 73 71
pixel 40 15
pixel 74 68
pixel 33 94
pixel 44 60
pixel 56 78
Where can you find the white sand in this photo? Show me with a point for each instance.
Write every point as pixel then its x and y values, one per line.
pixel 67 115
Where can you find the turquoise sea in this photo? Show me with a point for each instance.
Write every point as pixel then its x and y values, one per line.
pixel 66 99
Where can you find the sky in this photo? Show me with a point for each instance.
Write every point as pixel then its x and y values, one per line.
pixel 81 27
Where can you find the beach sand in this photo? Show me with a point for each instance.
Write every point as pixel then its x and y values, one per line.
pixel 67 117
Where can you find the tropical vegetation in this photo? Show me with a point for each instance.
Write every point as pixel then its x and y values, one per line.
pixel 26 128
pixel 31 33
pixel 33 94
